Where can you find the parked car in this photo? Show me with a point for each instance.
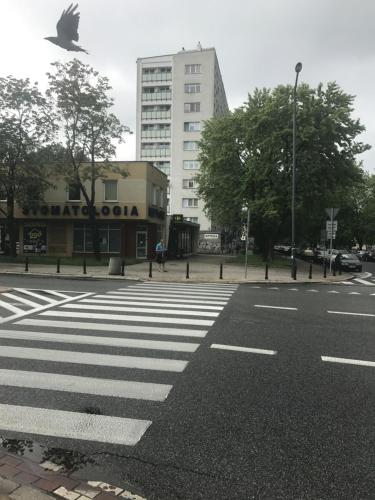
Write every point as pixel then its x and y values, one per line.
pixel 348 262
pixel 320 256
pixel 369 256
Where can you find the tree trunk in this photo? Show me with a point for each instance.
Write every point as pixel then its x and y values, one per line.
pixel 94 232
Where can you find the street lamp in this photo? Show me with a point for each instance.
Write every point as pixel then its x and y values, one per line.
pixel 298 69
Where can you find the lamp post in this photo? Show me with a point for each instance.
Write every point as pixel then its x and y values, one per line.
pixel 298 69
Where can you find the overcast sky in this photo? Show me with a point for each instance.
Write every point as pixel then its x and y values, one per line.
pixel 258 43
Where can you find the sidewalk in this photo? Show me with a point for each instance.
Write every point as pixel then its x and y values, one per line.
pixel 202 268
pixel 24 479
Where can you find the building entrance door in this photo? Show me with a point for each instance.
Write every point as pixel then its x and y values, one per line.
pixel 141 245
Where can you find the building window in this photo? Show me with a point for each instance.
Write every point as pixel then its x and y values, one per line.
pixel 191 219
pixel 192 69
pixel 109 237
pixel 192 126
pixel 189 202
pixel 191 165
pixel 110 191
pixel 192 88
pixel 164 166
pixel 189 183
pixel 74 192
pixel 190 145
pixel 192 107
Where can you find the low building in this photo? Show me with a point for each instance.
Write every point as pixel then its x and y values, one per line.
pixel 131 215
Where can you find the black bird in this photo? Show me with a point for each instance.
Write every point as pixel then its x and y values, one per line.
pixel 67 30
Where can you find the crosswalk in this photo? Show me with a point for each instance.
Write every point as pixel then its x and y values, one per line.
pixel 131 343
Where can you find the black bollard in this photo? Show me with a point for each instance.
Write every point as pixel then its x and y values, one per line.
pixel 340 270
pixel 150 270
pixel 221 271
pixel 295 271
pixel 58 265
pixel 84 265
pixel 334 269
pixel 310 272
pixel 266 274
pixel 123 267
pixel 325 269
pixel 187 270
pixel 26 264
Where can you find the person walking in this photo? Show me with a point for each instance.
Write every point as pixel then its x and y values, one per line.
pixel 160 255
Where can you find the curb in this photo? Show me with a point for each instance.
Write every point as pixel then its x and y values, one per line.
pixel 23 479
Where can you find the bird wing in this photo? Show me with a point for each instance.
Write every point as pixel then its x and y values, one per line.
pixel 67 27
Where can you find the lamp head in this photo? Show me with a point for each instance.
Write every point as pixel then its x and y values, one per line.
pixel 298 67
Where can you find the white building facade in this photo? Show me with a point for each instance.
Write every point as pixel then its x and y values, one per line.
pixel 176 93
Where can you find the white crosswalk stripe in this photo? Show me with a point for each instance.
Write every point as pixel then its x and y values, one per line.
pixel 123 330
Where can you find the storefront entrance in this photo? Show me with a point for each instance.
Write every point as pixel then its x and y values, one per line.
pixel 141 245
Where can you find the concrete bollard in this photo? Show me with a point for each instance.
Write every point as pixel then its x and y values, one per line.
pixel 84 266
pixel 26 264
pixel 187 270
pixel 150 269
pixel 310 272
pixel 266 273
pixel 58 266
pixel 221 271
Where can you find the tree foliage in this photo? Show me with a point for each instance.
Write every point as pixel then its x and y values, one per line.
pixel 246 160
pixel 81 97
pixel 26 127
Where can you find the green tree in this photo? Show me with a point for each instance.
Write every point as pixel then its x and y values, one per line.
pixel 81 98
pixel 26 127
pixel 246 159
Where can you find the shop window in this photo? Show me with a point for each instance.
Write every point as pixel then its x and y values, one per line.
pixel 109 237
pixel 74 192
pixel 110 191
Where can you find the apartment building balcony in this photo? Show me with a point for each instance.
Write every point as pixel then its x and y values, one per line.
pixel 155 153
pixel 157 77
pixel 156 96
pixel 156 115
pixel 156 134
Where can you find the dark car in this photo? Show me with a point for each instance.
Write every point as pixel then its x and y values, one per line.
pixel 348 262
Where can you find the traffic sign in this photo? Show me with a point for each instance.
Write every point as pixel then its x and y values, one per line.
pixel 331 225
pixel 330 214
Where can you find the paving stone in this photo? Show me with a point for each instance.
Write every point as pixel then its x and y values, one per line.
pixel 51 466
pixel 105 496
pixel 86 491
pixel 7 486
pixel 29 493
pixel 131 496
pixel 46 485
pixel 109 488
pixel 67 494
pixel 8 471
pixel 8 459
pixel 26 478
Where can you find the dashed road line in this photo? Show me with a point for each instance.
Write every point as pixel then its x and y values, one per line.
pixel 351 313
pixel 348 361
pixel 277 307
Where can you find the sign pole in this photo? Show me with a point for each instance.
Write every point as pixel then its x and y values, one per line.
pixel 247 239
pixel 331 242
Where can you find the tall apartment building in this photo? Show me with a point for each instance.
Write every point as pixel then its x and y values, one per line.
pixel 176 93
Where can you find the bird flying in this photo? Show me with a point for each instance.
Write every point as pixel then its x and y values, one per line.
pixel 67 30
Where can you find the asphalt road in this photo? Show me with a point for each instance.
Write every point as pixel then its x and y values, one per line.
pixel 279 424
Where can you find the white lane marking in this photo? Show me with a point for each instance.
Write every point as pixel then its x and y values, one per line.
pixel 333 291
pixel 277 307
pixel 9 307
pixel 56 293
pixel 178 291
pixel 141 310
pixel 293 289
pixel 72 425
pixel 350 313
pixel 150 304
pixel 123 317
pixel 354 293
pixel 347 361
pixel 273 288
pixel 125 296
pixel 174 295
pixel 363 282
pixel 346 283
pixel 86 358
pixel 255 287
pixel 42 308
pixel 110 327
pixel 187 285
pixel 21 299
pixel 243 349
pixel 36 295
pixel 312 290
pixel 85 385
pixel 366 275
pixel 93 340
